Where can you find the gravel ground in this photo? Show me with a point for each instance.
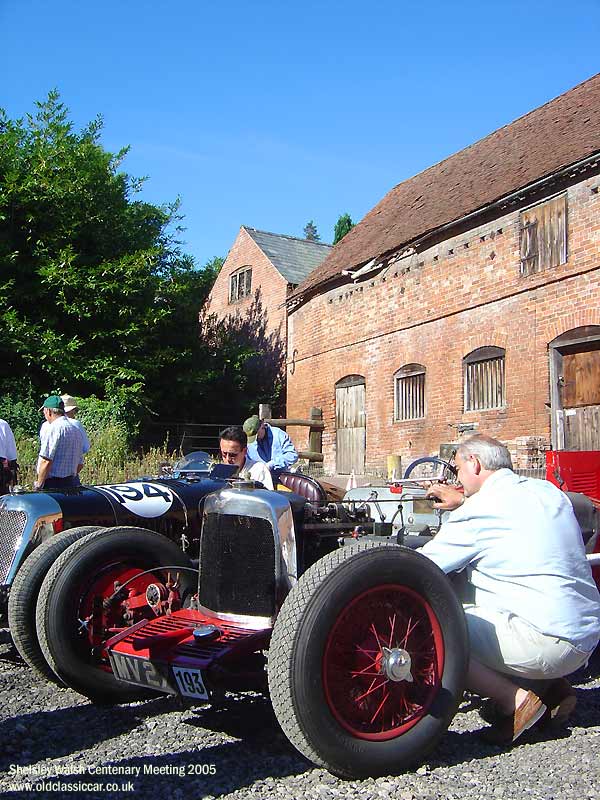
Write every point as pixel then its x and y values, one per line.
pixel 157 749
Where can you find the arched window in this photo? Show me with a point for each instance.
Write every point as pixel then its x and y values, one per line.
pixel 409 392
pixel 484 379
pixel 240 284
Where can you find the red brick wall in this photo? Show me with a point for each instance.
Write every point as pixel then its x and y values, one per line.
pixel 433 309
pixel 273 286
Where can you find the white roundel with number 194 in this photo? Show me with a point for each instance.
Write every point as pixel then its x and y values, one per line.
pixel 142 498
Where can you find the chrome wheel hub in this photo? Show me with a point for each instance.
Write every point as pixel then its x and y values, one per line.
pixel 396 664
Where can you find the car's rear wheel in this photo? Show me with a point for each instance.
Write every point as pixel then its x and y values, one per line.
pixel 368 659
pixel 431 467
pixel 81 604
pixel 24 593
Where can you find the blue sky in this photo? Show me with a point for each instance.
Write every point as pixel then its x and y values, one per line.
pixel 269 114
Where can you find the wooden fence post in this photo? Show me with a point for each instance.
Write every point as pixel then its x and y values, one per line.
pixel 315 437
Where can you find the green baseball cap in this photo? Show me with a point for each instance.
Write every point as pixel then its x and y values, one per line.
pixel 251 426
pixel 55 402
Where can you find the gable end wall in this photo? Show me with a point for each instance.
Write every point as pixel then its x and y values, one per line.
pixel 273 286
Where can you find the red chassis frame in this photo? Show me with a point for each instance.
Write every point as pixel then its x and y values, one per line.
pixel 153 653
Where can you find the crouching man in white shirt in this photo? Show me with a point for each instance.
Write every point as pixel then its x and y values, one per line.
pixel 536 616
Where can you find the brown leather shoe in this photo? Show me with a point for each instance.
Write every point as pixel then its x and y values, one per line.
pixel 560 700
pixel 509 728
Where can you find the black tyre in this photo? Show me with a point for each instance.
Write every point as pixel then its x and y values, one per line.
pixel 24 593
pixel 78 608
pixel 368 660
pixel 431 467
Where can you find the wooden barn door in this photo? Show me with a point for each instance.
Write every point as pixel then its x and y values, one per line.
pixel 581 400
pixel 575 389
pixel 350 423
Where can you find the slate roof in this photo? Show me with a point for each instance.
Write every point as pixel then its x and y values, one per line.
pixel 560 133
pixel 294 258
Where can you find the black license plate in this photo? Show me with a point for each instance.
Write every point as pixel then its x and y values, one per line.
pixel 140 672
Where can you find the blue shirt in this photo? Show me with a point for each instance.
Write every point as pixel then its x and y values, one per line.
pixel 522 544
pixel 276 449
pixel 62 444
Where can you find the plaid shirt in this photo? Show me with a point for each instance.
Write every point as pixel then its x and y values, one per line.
pixel 62 444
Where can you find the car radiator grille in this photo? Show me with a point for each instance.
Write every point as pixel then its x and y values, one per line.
pixel 12 525
pixel 237 565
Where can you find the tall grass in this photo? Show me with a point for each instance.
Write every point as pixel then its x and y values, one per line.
pixel 108 461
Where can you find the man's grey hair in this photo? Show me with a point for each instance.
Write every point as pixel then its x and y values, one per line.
pixel 491 453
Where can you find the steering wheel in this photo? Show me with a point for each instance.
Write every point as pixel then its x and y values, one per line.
pixel 432 467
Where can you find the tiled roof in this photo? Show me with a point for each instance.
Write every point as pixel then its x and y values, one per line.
pixel 294 258
pixel 560 133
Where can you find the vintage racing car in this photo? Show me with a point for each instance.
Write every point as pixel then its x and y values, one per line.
pixel 197 584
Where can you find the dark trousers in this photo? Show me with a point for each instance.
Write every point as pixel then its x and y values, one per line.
pixel 70 482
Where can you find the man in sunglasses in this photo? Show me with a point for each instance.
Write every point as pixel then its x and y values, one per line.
pixel 234 450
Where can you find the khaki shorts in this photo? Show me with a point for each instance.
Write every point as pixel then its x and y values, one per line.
pixel 506 643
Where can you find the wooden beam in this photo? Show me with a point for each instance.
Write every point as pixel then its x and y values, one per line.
pixel 310 455
pixel 310 423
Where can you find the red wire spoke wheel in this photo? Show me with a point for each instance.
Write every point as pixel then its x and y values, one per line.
pixel 368 659
pixel 103 609
pixel 383 662
pixel 79 606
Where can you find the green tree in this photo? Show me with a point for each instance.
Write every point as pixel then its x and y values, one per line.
pixel 244 364
pixel 180 348
pixel 95 294
pixel 342 226
pixel 310 232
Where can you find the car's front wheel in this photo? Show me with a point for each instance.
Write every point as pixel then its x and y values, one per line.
pixel 368 660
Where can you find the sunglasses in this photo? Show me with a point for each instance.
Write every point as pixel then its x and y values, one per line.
pixel 226 456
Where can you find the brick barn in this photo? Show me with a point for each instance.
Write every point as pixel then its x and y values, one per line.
pixel 467 299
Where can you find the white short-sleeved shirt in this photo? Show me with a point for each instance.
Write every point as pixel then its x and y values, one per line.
pixel 258 472
pixel 8 448
pixel 522 544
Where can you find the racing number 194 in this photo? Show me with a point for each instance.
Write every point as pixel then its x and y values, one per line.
pixel 124 491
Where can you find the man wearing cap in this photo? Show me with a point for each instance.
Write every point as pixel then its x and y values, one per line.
pixel 61 451
pixel 8 457
pixel 71 410
pixel 271 445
